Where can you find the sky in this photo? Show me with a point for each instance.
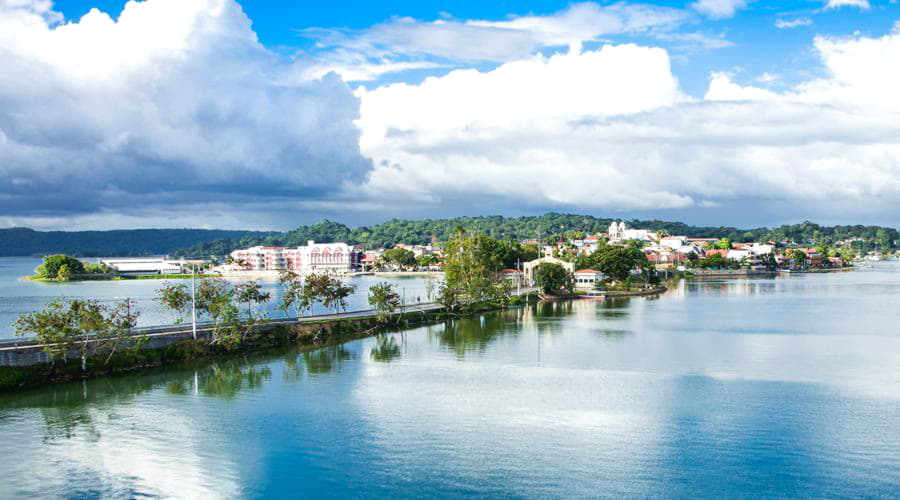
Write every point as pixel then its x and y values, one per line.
pixel 271 114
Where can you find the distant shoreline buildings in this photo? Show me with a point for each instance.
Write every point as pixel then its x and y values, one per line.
pixel 314 257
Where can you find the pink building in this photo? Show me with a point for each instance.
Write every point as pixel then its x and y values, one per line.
pixel 314 257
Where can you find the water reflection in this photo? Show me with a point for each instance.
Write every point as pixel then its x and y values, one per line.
pixel 386 348
pixel 222 379
pixel 475 334
pixel 326 359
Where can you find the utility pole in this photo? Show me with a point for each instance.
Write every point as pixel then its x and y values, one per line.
pixel 194 301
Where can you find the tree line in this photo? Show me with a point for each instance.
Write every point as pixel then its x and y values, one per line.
pixel 546 228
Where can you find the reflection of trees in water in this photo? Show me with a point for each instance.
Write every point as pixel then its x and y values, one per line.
pixel 386 348
pixel 326 359
pixel 612 334
pixel 63 422
pixel 476 332
pixel 612 308
pixel 74 409
pixel 221 379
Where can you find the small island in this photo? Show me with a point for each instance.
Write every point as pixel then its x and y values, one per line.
pixel 59 268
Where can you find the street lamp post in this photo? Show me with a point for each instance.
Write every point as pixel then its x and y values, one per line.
pixel 194 301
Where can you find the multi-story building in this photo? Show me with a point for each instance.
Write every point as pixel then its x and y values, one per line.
pixel 314 257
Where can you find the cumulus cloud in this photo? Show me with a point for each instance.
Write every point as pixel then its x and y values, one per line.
pixel 610 129
pixel 405 43
pixel 719 9
pixel 174 102
pixel 836 4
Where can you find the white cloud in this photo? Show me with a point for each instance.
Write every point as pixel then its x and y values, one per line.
pixel 385 47
pixel 173 102
pixel 784 24
pixel 722 88
pixel 610 130
pixel 836 4
pixel 719 9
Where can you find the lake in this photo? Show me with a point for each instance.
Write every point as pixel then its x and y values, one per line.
pixel 19 296
pixel 743 388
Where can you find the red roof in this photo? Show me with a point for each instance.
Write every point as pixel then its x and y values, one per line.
pixel 586 271
pixel 723 253
pixel 509 271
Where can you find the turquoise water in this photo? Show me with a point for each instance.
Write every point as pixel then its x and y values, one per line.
pixel 19 296
pixel 745 388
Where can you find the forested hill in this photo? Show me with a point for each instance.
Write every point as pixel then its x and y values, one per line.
pixel 121 243
pixel 547 225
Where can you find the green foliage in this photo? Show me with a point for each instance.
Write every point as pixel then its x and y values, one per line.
pixel 220 302
pixel 717 261
pixel 400 256
pixel 175 297
pixel 87 326
pixel 296 297
pixel 97 268
pixel 330 291
pixel 53 264
pixel 471 272
pixel 424 261
pixel 553 278
pixel 383 297
pixel 200 243
pixel 724 244
pixel 614 261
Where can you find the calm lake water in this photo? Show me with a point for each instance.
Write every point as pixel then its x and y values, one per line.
pixel 19 296
pixel 744 388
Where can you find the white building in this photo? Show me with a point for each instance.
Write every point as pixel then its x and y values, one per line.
pixel 145 266
pixel 618 232
pixel 529 267
pixel 314 257
pixel 587 279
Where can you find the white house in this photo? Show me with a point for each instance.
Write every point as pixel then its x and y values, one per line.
pixel 587 279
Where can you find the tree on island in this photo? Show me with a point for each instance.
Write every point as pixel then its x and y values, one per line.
pixel 50 268
pixel 553 278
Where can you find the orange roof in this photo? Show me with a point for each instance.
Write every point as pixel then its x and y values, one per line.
pixel 586 271
pixel 509 271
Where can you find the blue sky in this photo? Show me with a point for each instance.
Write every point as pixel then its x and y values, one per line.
pixel 710 111
pixel 758 46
